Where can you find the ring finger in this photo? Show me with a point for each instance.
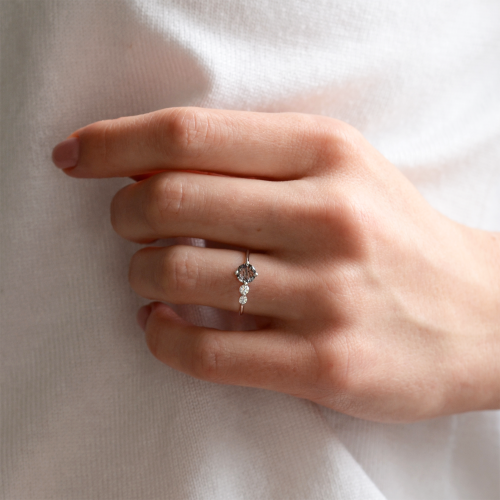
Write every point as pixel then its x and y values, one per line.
pixel 182 274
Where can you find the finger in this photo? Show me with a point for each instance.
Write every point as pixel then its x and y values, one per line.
pixel 268 359
pixel 266 145
pixel 182 274
pixel 241 212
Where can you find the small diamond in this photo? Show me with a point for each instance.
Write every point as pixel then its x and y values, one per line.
pixel 243 299
pixel 244 289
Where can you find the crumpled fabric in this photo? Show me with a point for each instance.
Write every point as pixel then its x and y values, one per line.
pixel 86 411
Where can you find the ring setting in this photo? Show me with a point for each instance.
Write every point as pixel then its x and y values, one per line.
pixel 245 273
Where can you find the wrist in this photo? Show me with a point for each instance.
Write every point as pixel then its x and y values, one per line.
pixel 478 361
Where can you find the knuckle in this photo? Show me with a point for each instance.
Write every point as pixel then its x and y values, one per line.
pixel 334 142
pixel 172 195
pixel 337 366
pixel 187 131
pixel 208 358
pixel 340 209
pixel 342 221
pixel 356 223
pixel 349 215
pixel 323 209
pixel 179 275
pixel 165 200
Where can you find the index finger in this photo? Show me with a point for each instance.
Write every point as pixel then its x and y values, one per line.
pixel 246 144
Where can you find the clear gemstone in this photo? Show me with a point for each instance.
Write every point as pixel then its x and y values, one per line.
pixel 244 289
pixel 243 299
pixel 246 273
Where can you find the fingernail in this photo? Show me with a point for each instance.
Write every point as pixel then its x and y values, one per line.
pixel 65 154
pixel 143 315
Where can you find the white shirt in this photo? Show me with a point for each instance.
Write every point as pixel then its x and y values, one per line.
pixel 86 411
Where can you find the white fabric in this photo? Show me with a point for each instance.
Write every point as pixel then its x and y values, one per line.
pixel 86 411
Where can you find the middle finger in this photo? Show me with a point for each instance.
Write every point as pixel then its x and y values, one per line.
pixel 235 211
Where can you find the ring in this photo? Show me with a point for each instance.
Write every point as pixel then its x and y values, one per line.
pixel 245 273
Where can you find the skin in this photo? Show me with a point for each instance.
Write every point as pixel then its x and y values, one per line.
pixel 368 300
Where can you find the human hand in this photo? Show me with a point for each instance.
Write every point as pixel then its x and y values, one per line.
pixel 369 301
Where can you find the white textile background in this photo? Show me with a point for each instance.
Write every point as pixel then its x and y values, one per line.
pixel 86 411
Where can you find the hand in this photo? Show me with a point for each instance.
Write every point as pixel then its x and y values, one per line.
pixel 369 301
